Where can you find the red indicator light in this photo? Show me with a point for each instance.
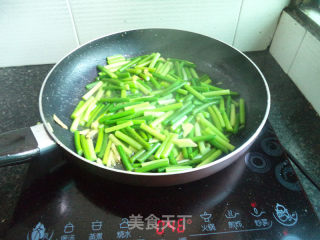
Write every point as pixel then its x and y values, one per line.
pixel 180 226
pixel 175 225
pixel 160 229
pixel 253 204
pixel 285 232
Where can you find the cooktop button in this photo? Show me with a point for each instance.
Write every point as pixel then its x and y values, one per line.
pixel 286 177
pixel 257 162
pixel 283 216
pixel 271 147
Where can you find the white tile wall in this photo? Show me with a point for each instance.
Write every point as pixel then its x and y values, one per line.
pixel 210 17
pixel 38 32
pixel 298 53
pixel 257 22
pixel 305 70
pixel 34 32
pixel 286 41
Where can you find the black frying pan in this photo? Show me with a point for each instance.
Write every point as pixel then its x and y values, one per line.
pixel 65 84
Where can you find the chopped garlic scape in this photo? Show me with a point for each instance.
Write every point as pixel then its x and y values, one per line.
pixel 92 91
pixel 110 159
pixel 115 66
pixel 91 134
pixel 116 153
pixel 59 122
pixel 84 132
pixel 184 142
pixel 187 128
pixel 155 114
pixel 99 161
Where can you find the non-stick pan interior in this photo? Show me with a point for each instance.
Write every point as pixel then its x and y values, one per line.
pixel 65 84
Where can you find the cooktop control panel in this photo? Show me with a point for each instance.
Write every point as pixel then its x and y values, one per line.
pixel 257 197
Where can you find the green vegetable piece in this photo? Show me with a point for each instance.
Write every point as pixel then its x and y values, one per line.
pixel 196 160
pixel 88 149
pixel 172 159
pixel 107 71
pixel 73 116
pixel 136 165
pixel 168 146
pixel 217 93
pixel 177 169
pixel 185 153
pixel 185 62
pixel 228 106
pixel 139 139
pixel 219 116
pixel 143 89
pixel 202 107
pixel 147 154
pixel 203 138
pixel 152 131
pixel 112 81
pixel 92 91
pixel 121 106
pixel 155 82
pixel 194 73
pixel 174 87
pixel 143 99
pixel 77 143
pixel 117 127
pixel 242 112
pixel 227 121
pixel 75 124
pixel 211 158
pixel 232 115
pixel 201 144
pixel 194 92
pixel 165 78
pixel 204 122
pixel 222 105
pixel 82 108
pixel 133 143
pixel 129 64
pixel 153 165
pixel 220 140
pixel 154 60
pixel 157 155
pixel 137 155
pixel 123 74
pixel 103 146
pixel 194 153
pixel 91 85
pixel 236 125
pixel 167 108
pixel 98 146
pixel 114 100
pixel 117 142
pixel 214 118
pixel 124 158
pixel 106 155
pixel 117 115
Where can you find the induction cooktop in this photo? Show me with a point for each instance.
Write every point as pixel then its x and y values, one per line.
pixel 257 197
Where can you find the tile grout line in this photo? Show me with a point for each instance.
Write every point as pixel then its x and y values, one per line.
pixel 74 28
pixel 235 32
pixel 296 53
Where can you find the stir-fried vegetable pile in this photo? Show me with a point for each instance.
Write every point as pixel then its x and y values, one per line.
pixel 155 115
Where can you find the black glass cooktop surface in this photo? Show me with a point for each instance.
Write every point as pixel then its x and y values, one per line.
pixel 257 197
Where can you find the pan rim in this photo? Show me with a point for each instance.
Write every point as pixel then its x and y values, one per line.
pixel 230 155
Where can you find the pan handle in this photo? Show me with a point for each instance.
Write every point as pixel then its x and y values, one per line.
pixel 22 145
